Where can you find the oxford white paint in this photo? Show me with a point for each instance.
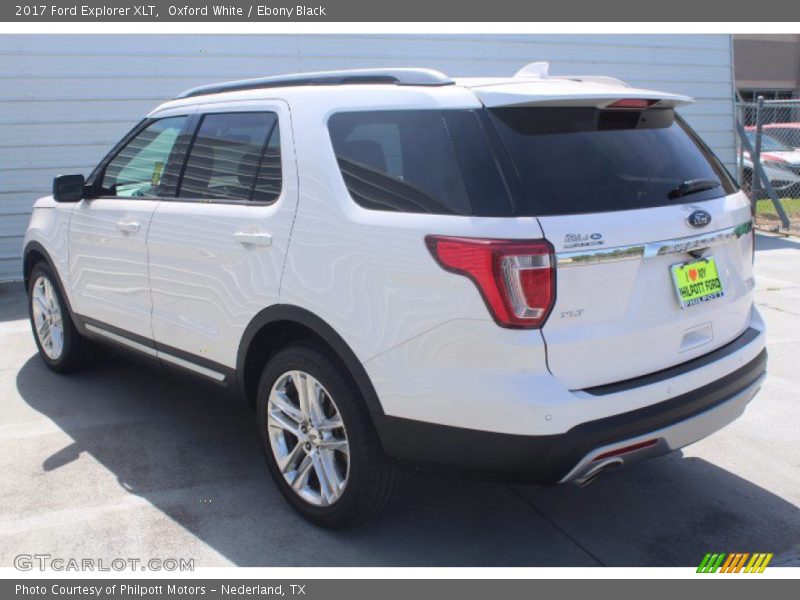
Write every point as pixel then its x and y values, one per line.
pixel 108 267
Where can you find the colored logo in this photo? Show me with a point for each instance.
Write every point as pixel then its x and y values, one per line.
pixel 737 562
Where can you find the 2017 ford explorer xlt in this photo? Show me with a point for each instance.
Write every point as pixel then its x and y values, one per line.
pixel 534 278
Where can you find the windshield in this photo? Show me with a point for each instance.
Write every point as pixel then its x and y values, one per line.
pixel 583 160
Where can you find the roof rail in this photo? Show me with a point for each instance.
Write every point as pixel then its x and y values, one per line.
pixel 426 77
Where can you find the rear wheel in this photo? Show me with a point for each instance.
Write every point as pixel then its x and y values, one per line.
pixel 60 345
pixel 318 438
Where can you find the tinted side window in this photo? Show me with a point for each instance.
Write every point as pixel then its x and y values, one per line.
pixel 399 161
pixel 137 168
pixel 225 155
pixel 270 175
pixel 487 189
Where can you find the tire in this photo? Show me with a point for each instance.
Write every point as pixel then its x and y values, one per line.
pixel 75 352
pixel 365 479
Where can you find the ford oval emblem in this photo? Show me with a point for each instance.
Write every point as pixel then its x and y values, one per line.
pixel 698 218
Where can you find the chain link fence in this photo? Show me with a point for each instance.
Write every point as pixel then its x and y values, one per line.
pixel 769 161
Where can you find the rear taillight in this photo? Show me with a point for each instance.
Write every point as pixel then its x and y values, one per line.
pixel 516 278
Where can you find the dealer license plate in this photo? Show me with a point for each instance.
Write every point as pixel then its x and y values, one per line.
pixel 697 282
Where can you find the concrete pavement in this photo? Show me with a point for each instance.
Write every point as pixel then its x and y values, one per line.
pixel 121 461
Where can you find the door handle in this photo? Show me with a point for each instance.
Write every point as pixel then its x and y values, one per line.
pixel 128 226
pixel 253 238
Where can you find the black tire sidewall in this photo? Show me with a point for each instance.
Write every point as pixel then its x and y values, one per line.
pixel 351 408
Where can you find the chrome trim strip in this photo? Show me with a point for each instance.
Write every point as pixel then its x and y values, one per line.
pixel 640 251
pixel 122 340
pixel 211 374
pixel 604 255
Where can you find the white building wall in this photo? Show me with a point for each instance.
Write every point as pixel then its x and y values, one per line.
pixel 66 99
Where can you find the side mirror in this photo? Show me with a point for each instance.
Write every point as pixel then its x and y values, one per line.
pixel 68 188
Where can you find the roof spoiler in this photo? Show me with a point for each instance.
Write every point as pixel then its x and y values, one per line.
pixel 525 89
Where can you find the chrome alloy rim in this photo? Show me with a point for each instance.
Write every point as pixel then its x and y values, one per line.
pixel 47 318
pixel 308 438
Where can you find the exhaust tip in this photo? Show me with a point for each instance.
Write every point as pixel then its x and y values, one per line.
pixel 589 476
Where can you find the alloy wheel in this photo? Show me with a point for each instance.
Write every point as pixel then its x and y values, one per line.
pixel 308 438
pixel 47 318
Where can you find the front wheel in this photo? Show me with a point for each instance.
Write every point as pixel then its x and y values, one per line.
pixel 319 441
pixel 60 345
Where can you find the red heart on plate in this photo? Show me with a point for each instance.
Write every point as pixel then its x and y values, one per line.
pixel 692 274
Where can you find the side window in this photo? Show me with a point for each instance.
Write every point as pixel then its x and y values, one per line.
pixel 137 168
pixel 399 161
pixel 270 175
pixel 225 156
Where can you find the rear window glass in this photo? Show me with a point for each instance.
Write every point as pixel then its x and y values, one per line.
pixel 420 161
pixel 584 160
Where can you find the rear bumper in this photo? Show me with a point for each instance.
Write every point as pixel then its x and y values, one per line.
pixel 573 455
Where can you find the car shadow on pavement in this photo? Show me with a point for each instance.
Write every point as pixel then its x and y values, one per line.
pixel 192 453
pixel 11 309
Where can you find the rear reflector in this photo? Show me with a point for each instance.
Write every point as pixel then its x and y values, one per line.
pixel 625 450
pixel 515 278
pixel 638 103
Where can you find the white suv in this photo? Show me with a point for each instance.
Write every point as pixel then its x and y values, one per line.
pixel 533 278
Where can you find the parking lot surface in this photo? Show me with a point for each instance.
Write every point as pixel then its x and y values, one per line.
pixel 122 461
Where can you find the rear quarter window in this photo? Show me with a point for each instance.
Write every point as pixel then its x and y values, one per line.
pixel 418 161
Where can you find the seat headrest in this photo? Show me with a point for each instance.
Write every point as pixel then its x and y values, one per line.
pixel 368 153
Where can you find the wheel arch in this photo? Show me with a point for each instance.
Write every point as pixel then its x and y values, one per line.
pixel 281 324
pixel 33 254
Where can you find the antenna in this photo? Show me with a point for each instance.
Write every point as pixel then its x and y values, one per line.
pixel 538 70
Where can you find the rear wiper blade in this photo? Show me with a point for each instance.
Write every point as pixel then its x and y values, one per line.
pixel 692 186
